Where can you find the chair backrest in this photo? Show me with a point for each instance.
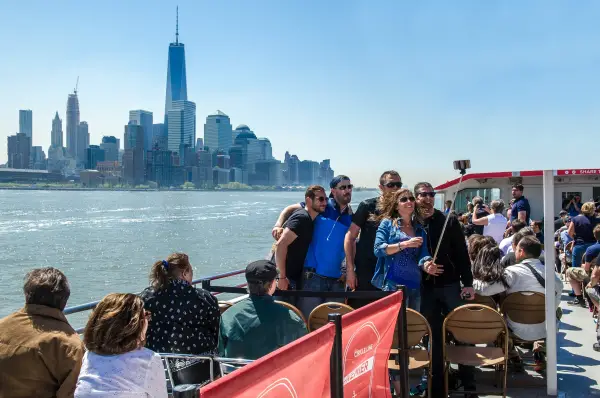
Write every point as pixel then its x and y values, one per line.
pixel 319 316
pixel 475 324
pixel 525 307
pixel 488 301
pixel 293 308
pixel 416 326
pixel 224 306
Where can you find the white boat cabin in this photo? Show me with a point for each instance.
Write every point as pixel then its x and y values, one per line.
pixel 498 185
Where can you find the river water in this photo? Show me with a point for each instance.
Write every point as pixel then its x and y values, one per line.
pixel 106 241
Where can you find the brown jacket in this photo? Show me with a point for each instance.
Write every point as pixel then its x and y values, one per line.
pixel 40 354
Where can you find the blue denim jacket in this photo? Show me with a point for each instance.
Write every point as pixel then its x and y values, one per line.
pixel 401 268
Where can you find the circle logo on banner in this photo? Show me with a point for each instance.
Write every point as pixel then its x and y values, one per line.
pixel 281 388
pixel 359 360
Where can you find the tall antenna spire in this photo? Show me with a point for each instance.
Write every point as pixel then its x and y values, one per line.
pixel 177 26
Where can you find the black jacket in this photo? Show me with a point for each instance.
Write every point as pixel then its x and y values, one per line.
pixel 453 254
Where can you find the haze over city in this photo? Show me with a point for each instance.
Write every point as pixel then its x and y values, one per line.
pixel 371 86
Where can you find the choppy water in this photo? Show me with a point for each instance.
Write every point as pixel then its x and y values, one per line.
pixel 106 241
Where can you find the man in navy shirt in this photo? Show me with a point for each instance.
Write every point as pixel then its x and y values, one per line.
pixel 581 275
pixel 323 263
pixel 520 208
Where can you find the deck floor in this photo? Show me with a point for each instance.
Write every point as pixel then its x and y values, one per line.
pixel 578 364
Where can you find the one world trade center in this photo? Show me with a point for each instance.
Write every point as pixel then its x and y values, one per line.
pixel 176 76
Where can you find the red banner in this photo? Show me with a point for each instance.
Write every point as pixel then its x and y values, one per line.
pixel 298 370
pixel 367 335
pixel 576 172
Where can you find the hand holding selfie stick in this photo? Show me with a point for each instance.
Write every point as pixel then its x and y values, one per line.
pixel 461 165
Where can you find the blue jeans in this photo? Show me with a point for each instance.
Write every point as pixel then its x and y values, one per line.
pixel 578 252
pixel 317 283
pixel 413 296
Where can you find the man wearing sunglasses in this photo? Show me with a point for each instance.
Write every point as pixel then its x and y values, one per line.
pixel 442 292
pixel 292 246
pixel 359 254
pixel 323 263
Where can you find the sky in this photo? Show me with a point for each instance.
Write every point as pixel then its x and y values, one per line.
pixel 372 85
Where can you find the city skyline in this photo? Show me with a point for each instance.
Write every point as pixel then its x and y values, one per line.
pixel 327 92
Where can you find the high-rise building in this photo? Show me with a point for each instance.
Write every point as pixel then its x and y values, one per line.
pixel 266 151
pixel 308 171
pixel 159 167
pixel 144 119
pixel 268 172
pixel 176 76
pixel 181 126
pixel 293 169
pixel 134 136
pixel 160 138
pixel 19 151
pixel 134 170
pixel 218 132
pixel 72 123
pixel 111 146
pixel 199 144
pixel 26 123
pixel 83 142
pixel 95 154
pixel 56 136
pixel 246 150
pixel 38 158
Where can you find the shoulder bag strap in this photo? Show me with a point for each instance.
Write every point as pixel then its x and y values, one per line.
pixel 536 274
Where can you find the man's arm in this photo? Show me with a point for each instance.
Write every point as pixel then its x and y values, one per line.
pixel 285 214
pixel 571 229
pixel 350 250
pixel 67 368
pixel 281 249
pixel 476 220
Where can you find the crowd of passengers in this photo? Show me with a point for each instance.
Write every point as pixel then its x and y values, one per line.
pixel 321 245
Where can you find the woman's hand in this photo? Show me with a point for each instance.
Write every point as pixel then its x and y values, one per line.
pixel 412 242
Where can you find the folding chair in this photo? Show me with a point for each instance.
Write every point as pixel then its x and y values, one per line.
pixel 319 316
pixel 475 324
pixel 488 301
pixel 295 309
pixel 224 306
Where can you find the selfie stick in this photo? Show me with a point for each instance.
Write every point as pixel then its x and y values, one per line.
pixel 461 165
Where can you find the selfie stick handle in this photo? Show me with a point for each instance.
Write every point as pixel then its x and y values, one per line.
pixel 462 173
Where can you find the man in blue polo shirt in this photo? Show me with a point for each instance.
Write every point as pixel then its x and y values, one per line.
pixel 323 263
pixel 520 208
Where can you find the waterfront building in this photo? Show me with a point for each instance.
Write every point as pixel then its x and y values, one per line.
pixel 56 135
pixel 83 142
pixel 268 173
pixel 159 167
pixel 220 176
pixel 72 123
pixel 160 138
pixel 308 172
pixel 176 74
pixel 38 158
pixel 236 175
pixel 145 119
pixel 181 126
pixel 19 151
pixel 95 154
pixel 325 172
pixel 202 175
pixel 26 123
pixel 246 150
pixel 266 151
pixel 218 132
pixel 293 170
pixel 133 161
pixel 111 146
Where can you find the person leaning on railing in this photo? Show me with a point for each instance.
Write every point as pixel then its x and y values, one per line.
pixel 116 363
pixel 185 319
pixel 40 353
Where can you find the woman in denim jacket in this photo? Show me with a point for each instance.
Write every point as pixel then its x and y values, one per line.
pixel 400 246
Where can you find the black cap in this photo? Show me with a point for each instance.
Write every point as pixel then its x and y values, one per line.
pixel 261 271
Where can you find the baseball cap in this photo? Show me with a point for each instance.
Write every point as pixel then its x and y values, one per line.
pixel 261 271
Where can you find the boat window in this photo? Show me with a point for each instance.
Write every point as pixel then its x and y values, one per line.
pixel 466 195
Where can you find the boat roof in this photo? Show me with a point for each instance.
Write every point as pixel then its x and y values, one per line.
pixel 508 174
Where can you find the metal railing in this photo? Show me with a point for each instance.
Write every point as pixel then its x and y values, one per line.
pixel 91 305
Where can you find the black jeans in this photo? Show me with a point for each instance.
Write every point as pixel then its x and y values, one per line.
pixel 436 303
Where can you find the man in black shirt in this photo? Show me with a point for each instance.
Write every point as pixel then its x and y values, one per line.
pixel 292 246
pixel 442 293
pixel 520 208
pixel 360 257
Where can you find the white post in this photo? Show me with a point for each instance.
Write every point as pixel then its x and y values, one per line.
pixel 551 378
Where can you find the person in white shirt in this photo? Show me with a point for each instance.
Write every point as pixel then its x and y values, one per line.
pixel 505 244
pixel 521 278
pixel 495 223
pixel 116 363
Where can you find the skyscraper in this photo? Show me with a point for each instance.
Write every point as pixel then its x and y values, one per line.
pixel 83 142
pixel 56 136
pixel 182 126
pixel 19 147
pixel 176 76
pixel 160 138
pixel 94 154
pixel 110 144
pixel 144 119
pixel 134 170
pixel 266 150
pixel 218 132
pixel 72 123
pixel 26 123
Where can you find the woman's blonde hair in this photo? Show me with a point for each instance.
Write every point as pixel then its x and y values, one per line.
pixel 387 206
pixel 588 208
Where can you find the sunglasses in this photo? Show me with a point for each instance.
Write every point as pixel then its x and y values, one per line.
pixel 320 198
pixel 426 194
pixel 344 187
pixel 394 184
pixel 405 199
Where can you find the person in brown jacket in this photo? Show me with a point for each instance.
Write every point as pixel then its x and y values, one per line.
pixel 40 353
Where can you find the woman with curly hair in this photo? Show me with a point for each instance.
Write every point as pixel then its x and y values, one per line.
pixel 399 246
pixel 116 363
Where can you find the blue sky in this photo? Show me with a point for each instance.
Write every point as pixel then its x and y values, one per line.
pixel 372 85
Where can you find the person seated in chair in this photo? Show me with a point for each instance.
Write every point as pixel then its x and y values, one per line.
pixel 40 353
pixel 257 325
pixel 578 276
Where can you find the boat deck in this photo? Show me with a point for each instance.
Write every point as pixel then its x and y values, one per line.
pixel 578 364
